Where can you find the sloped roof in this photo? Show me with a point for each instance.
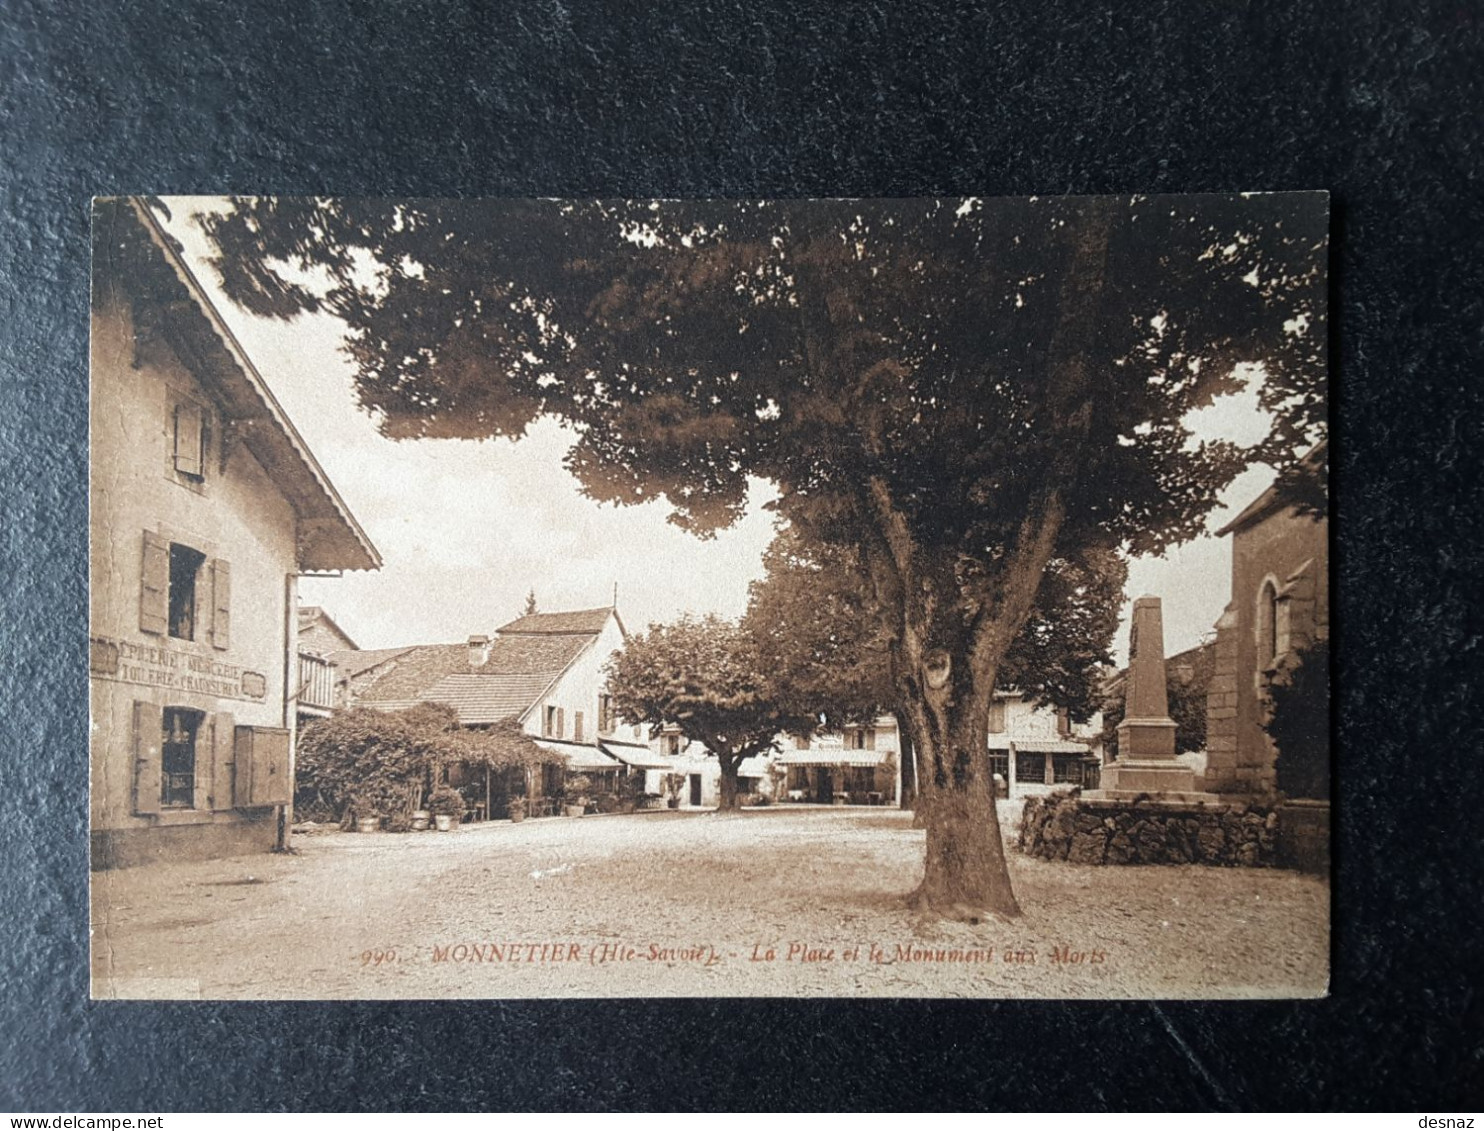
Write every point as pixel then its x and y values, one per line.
pixel 417 669
pixel 156 271
pixel 1270 500
pixel 310 614
pixel 588 622
pixel 487 698
pixel 519 665
pixel 364 659
pixel 522 655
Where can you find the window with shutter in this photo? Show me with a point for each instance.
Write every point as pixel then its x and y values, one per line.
pixel 185 784
pixel 154 585
pixel 221 604
pixel 188 604
pixel 148 733
pixel 190 434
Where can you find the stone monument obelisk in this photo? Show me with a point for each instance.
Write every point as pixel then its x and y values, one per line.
pixel 1146 737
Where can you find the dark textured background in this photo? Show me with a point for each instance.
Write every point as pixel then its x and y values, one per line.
pixel 1378 103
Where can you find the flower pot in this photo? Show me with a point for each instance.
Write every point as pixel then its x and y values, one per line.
pixel 517 816
pixel 368 824
pixel 444 821
pixel 421 818
pixel 575 810
pixel 673 803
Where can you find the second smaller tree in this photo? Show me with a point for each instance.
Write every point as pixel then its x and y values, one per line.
pixel 705 678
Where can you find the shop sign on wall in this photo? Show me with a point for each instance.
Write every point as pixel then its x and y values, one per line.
pixel 157 665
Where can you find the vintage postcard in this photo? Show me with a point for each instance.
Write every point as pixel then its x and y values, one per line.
pixel 773 598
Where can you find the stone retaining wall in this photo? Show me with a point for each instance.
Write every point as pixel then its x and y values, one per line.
pixel 1067 826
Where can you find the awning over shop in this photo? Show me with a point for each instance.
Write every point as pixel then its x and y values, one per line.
pixel 640 757
pixel 833 757
pixel 1037 745
pixel 579 756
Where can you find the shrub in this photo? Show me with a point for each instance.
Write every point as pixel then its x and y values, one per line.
pixel 1298 722
pixel 446 802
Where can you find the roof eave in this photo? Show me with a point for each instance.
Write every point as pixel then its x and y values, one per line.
pixel 329 537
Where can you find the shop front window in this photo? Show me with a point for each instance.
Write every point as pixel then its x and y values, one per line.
pixel 181 726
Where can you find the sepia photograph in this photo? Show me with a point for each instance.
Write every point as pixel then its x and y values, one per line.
pixel 790 598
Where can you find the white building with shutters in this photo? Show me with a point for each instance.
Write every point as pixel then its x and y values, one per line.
pixel 206 506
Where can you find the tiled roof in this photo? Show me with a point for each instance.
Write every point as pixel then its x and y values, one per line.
pixel 584 621
pixel 522 655
pixel 419 669
pixel 487 698
pixel 364 659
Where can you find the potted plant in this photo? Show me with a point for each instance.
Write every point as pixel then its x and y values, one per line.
pixel 367 812
pixel 447 806
pixel 421 818
pixel 673 785
pixel 577 794
pixel 517 809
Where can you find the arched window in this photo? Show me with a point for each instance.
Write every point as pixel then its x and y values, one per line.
pixel 1267 624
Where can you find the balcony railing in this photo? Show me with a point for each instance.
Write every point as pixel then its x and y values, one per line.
pixel 316 682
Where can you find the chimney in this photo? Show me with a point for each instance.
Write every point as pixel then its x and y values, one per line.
pixel 479 651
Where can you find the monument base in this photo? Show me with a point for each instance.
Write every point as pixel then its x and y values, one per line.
pixel 1129 776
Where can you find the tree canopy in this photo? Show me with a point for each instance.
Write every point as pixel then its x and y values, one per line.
pixel 705 677
pixel 961 391
pixel 827 642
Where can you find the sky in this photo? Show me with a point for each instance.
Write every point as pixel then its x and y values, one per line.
pixel 466 529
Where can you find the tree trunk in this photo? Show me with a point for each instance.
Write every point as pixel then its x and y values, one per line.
pixel 965 874
pixel 729 798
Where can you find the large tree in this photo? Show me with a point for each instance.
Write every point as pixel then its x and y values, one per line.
pixel 963 392
pixel 704 677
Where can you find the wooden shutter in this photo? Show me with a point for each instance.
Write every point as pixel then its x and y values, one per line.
pixel 221 604
pixel 269 748
pixel 188 446
pixel 870 733
pixel 219 764
pixel 561 726
pixel 577 726
pixel 154 585
pixel 147 739
pixel 242 751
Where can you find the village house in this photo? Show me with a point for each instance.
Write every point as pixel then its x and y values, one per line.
pixel 861 765
pixel 1034 748
pixel 545 670
pixel 206 507
pixel 1279 606
pixel 858 765
pixel 318 689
